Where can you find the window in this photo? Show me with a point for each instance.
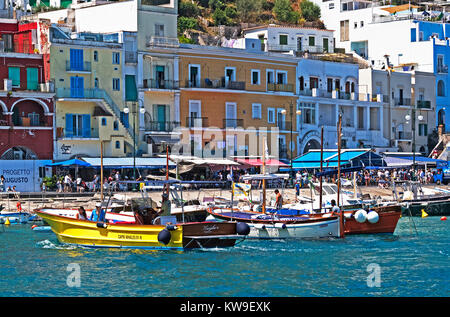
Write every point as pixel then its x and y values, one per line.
pixel 413 35
pixel 34 119
pixel 270 115
pixel 117 144
pixel 362 23
pixel 270 77
pixel 76 59
pixel 331 6
pixel 308 113
pixel 78 125
pixel 96 83
pixel 344 36
pixel 95 56
pixel 194 75
pixel 116 125
pixel 230 75
pixel 355 25
pixel 313 82
pixel 103 121
pixel 256 111
pixel 311 41
pixel 441 88
pixel 255 77
pixel 32 78
pixel 116 84
pixel 283 39
pixel 14 75
pixel 116 58
pixel 159 30
pixel 281 77
pixel 423 129
pixel 329 84
pixel 76 87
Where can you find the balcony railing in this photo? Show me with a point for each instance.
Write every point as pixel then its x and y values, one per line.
pixel 160 84
pixel 424 104
pixel 163 126
pixel 84 67
pixel 280 87
pixel 131 57
pixel 162 41
pixel 215 84
pixel 402 101
pixel 443 69
pixel 193 122
pixel 233 123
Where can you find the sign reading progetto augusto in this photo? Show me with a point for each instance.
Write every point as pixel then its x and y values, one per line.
pixel 24 174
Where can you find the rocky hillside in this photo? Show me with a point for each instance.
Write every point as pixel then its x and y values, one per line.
pixel 207 20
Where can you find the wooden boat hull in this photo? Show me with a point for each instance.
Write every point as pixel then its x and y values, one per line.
pixel 292 227
pixel 387 222
pixel 106 235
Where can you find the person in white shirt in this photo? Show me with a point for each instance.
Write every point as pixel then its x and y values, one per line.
pixel 67 183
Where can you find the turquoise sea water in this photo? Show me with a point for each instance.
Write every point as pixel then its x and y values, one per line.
pixel 409 264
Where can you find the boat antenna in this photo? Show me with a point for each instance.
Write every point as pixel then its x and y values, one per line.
pixel 321 169
pixel 101 170
pixel 341 213
pixel 264 172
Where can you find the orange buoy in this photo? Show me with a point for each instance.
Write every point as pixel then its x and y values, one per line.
pixel 443 218
pixel 33 226
pixel 19 207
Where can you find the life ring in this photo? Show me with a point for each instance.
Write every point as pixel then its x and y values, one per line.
pixel 19 207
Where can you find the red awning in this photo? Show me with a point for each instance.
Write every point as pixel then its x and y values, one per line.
pixel 258 162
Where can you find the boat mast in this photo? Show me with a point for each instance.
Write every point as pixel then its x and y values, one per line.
pixel 321 169
pixel 167 169
pixel 341 213
pixel 101 170
pixel 264 172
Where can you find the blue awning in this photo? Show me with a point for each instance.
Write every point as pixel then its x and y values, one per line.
pixel 129 162
pixel 72 162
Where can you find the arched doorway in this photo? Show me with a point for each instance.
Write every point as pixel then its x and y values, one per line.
pixel 18 153
pixel 311 145
pixel 28 113
pixel 441 117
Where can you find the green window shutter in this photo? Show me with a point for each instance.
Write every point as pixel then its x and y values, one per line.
pixel 32 78
pixel 130 88
pixel 14 75
pixel 283 39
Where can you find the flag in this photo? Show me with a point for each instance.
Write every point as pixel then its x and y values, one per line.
pixel 424 214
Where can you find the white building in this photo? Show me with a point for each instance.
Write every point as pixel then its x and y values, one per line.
pixel 289 39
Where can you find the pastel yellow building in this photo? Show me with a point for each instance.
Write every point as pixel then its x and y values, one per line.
pixel 90 94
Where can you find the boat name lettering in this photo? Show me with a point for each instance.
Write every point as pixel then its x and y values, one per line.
pixel 207 229
pixel 129 236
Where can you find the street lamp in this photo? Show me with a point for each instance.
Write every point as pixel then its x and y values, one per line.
pixel 291 113
pixel 412 117
pixel 134 112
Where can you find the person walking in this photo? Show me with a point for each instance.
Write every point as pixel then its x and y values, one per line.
pixel 67 183
pixel 2 183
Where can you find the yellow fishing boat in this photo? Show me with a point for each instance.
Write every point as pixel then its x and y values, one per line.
pixel 179 236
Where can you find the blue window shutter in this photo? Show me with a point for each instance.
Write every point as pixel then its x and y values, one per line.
pixel 69 125
pixel 76 59
pixel 86 126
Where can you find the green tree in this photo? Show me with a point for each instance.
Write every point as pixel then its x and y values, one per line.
pixel 284 12
pixel 186 8
pixel 220 18
pixel 185 23
pixel 247 9
pixel 310 11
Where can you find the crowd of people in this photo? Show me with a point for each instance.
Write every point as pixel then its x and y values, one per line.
pixel 224 178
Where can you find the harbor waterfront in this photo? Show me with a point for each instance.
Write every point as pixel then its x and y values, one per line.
pixel 409 263
pixel 414 261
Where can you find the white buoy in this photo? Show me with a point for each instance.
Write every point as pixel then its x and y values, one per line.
pixel 361 215
pixel 373 217
pixel 210 218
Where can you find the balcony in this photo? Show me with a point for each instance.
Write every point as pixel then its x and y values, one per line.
pixel 215 84
pixel 193 122
pixel 83 67
pixel 423 104
pixel 233 123
pixel 402 101
pixel 30 85
pixel 442 69
pixel 284 125
pixel 280 87
pixel 130 57
pixel 77 135
pixel 161 126
pixel 162 41
pixel 160 84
